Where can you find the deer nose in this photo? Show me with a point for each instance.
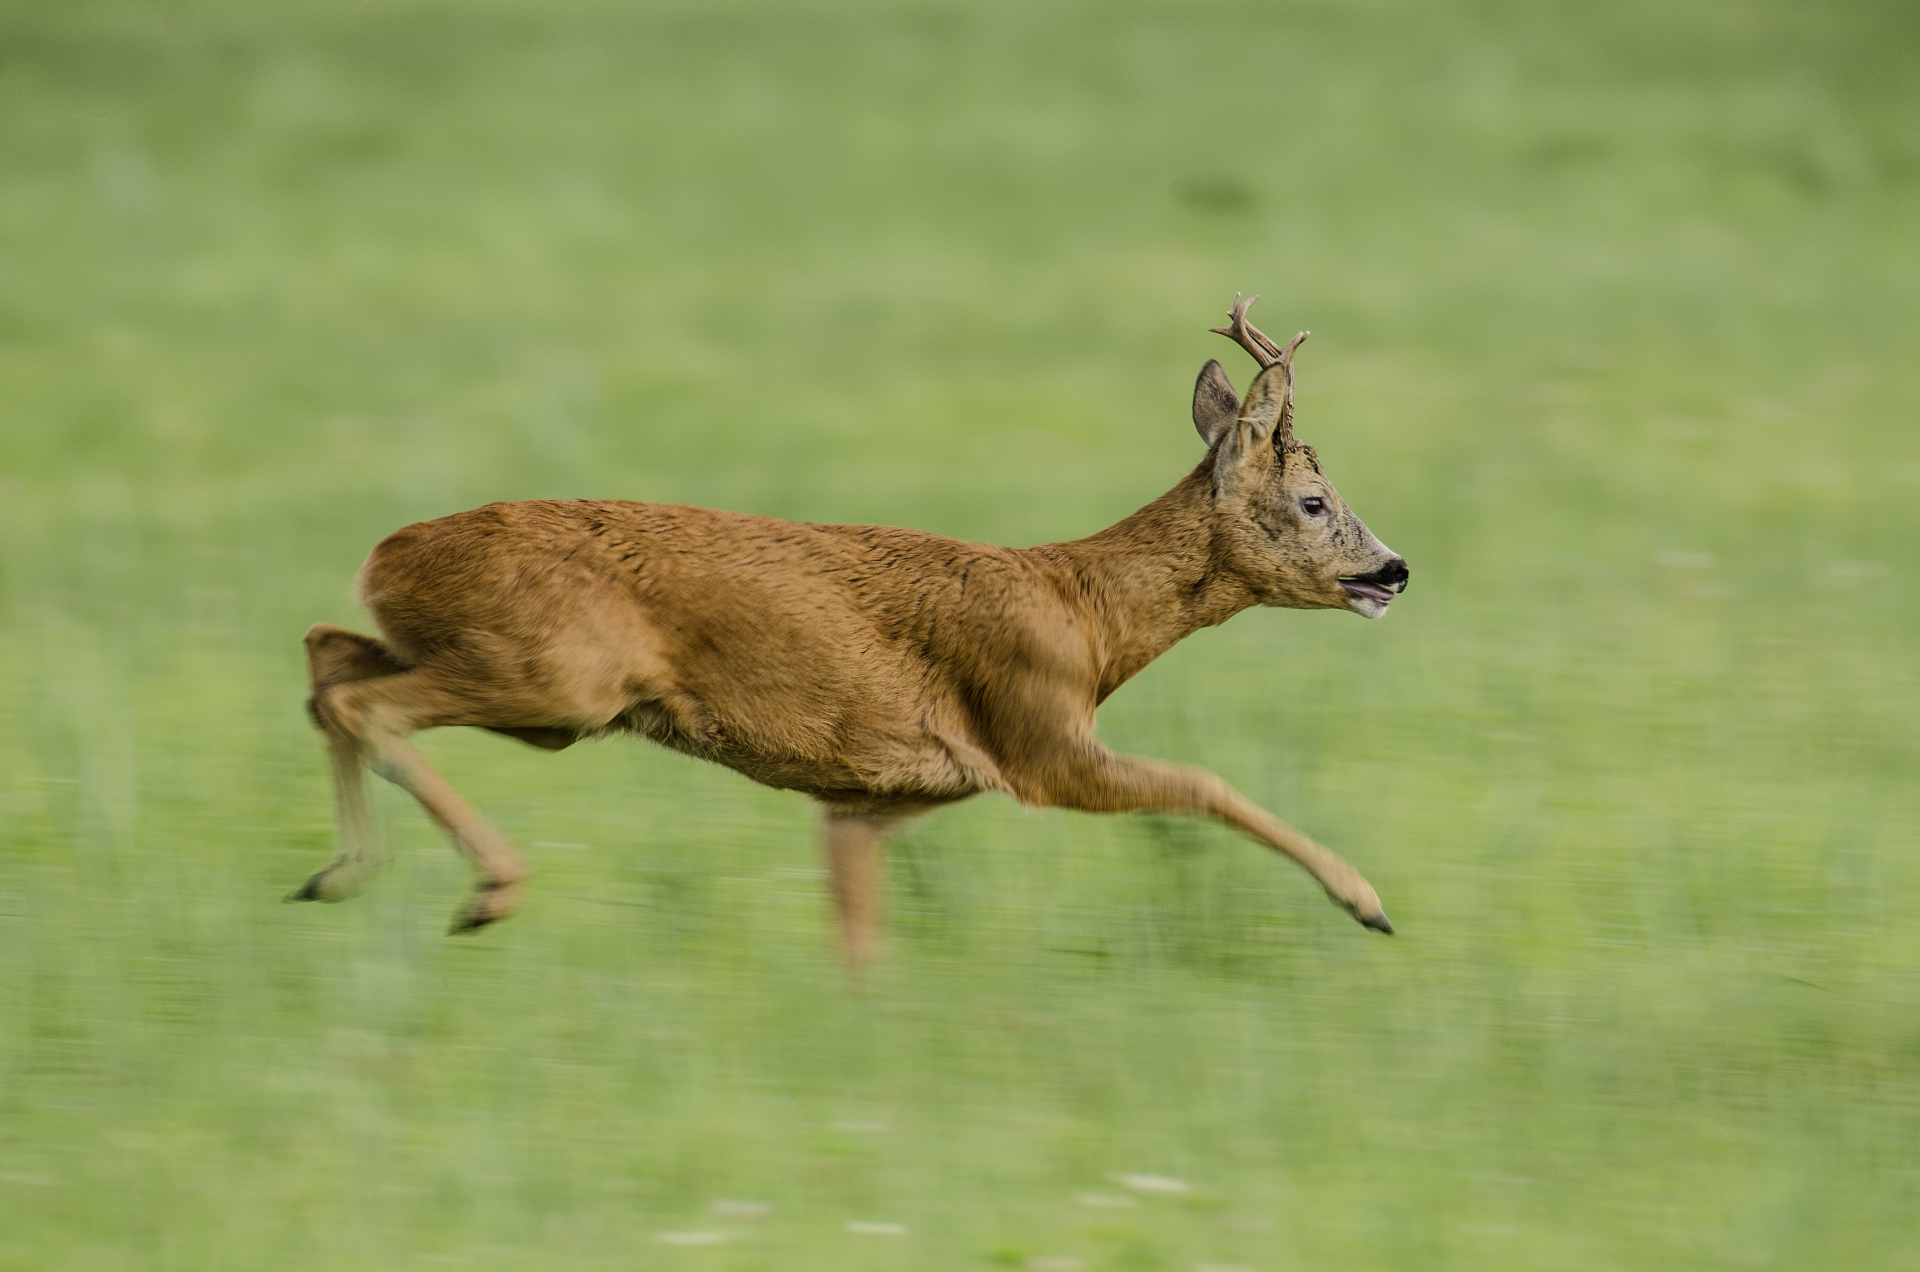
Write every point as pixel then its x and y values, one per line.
pixel 1393 574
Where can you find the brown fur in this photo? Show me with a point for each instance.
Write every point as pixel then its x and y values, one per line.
pixel 881 671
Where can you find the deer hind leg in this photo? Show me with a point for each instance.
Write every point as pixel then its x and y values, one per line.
pixel 372 717
pixel 1099 780
pixel 854 845
pixel 502 872
pixel 336 656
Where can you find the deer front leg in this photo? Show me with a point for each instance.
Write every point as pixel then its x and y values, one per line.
pixel 1098 780
pixel 855 852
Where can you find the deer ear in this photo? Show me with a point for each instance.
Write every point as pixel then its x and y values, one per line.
pixel 1215 405
pixel 1266 403
pixel 1251 432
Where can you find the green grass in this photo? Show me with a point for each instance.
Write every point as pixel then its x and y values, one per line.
pixel 1614 318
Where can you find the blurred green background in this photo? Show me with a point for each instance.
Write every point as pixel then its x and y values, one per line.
pixel 1614 310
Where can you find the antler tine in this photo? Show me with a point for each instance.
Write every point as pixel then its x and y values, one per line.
pixel 1264 351
pixel 1248 336
pixel 1285 428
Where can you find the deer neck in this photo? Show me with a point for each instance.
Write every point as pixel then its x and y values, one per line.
pixel 1153 579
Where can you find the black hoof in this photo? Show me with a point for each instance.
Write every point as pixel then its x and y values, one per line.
pixel 476 914
pixel 492 900
pixel 1378 923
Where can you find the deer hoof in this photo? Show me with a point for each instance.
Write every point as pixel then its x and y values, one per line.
pixel 1378 922
pixel 325 885
pixel 490 903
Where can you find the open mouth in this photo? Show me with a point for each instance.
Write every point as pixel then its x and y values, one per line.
pixel 1369 594
pixel 1367 589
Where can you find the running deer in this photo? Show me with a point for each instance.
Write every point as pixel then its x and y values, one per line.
pixel 883 672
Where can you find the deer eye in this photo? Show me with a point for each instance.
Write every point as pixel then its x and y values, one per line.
pixel 1313 505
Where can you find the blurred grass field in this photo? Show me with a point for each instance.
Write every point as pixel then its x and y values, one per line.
pixel 1614 313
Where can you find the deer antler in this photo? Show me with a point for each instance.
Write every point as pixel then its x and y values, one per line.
pixel 1266 353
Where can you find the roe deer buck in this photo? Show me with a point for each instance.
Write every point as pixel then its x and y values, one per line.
pixel 881 671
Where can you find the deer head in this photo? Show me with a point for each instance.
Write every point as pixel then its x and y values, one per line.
pixel 1282 526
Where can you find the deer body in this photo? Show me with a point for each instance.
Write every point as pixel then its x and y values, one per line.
pixel 881 671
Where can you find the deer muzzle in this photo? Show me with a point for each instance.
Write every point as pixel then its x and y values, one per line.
pixel 1368 595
